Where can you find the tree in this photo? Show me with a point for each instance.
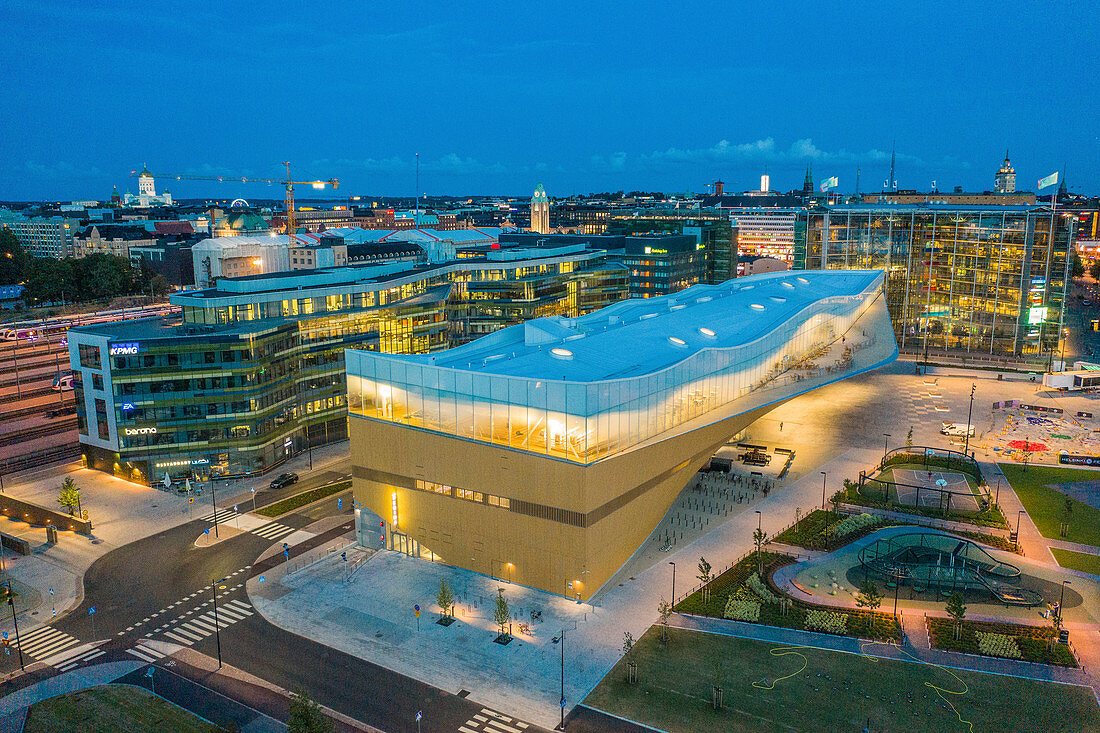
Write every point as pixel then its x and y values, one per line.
pixel 69 496
pixel 909 438
pixel 704 577
pixel 956 609
pixel 758 536
pixel 664 610
pixel 1094 270
pixel 628 642
pixel 836 500
pixel 13 260
pixel 445 598
pixel 1067 514
pixel 306 715
pixel 49 280
pixel 500 612
pixel 1077 268
pixel 159 285
pixel 869 597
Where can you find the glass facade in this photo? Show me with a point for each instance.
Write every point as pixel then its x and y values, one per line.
pixel 585 421
pixel 255 372
pixel 981 280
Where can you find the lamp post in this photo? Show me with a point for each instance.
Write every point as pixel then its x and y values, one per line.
pixel 759 541
pixel 823 478
pixel 1062 598
pixel 670 562
pixel 1018 517
pixel 214 505
pixel 561 641
pixel 253 490
pixel 217 626
pixel 885 445
pixel 15 622
pixel 997 500
pixel 969 414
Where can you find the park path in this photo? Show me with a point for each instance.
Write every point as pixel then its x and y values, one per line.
pixel 915 631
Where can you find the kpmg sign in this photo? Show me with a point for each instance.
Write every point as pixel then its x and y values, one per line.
pixel 124 349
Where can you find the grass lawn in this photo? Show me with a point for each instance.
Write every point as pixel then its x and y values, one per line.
pixel 111 709
pixel 1077 560
pixel 300 500
pixel 1045 505
pixel 834 692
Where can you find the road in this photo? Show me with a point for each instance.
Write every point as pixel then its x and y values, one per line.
pixel 159 588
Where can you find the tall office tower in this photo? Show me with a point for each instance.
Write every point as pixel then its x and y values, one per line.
pixel 1005 181
pixel 540 211
pixel 765 183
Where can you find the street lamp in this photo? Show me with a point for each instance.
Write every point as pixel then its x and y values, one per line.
pixel 15 622
pixel 969 414
pixel 823 478
pixel 885 445
pixel 217 626
pixel 1062 598
pixel 1018 517
pixel 670 562
pixel 561 641
pixel 253 490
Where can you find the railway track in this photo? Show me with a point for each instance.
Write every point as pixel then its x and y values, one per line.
pixel 37 458
pixel 38 431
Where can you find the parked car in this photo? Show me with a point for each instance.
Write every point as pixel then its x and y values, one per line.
pixel 957 430
pixel 283 480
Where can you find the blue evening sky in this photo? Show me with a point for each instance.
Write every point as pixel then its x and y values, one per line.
pixel 496 97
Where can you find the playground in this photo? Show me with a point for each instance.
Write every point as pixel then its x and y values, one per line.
pixel 768 686
pixel 923 566
pixel 1023 435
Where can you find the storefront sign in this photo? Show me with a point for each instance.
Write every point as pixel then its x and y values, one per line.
pixel 140 431
pixel 1040 408
pixel 124 349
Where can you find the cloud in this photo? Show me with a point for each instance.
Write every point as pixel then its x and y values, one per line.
pixel 60 170
pixel 451 163
pixel 763 150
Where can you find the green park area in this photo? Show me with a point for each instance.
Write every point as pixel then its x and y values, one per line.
pixel 776 687
pixel 110 709
pixel 1047 506
pixel 1077 560
pixel 300 500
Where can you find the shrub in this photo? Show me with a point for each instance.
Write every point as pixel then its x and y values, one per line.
pixel 998 645
pixel 828 621
pixel 761 589
pixel 855 523
pixel 740 609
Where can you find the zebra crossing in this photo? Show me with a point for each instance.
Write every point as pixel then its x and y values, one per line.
pixel 192 628
pixel 144 653
pixel 268 529
pixel 45 642
pixel 490 721
pixel 77 658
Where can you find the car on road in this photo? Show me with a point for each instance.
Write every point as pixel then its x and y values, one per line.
pixel 283 480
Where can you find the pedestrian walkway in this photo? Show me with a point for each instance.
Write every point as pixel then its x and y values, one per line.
pixel 44 642
pixel 203 625
pixel 266 528
pixel 145 653
pixel 491 721
pixel 72 660
pixel 914 628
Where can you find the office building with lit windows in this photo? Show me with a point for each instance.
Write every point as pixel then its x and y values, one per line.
pixel 252 371
pixel 976 280
pixel 546 453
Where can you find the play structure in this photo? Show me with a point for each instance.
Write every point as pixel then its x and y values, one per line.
pixel 936 561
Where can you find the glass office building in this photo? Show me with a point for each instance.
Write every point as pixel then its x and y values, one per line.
pixel 252 371
pixel 978 280
pixel 587 388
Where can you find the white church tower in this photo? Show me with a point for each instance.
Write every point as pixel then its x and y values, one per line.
pixel 145 184
pixel 540 211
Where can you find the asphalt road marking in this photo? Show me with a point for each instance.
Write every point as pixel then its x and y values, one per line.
pixel 80 659
pixel 268 529
pixel 144 653
pixel 45 641
pixel 204 624
pixel 490 721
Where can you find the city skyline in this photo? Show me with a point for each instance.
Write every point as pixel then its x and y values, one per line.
pixel 497 102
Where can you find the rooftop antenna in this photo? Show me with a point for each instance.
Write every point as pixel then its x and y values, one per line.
pixel 893 159
pixel 417 191
pixel 858 169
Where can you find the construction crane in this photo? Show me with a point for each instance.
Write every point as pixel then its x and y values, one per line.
pixel 288 182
